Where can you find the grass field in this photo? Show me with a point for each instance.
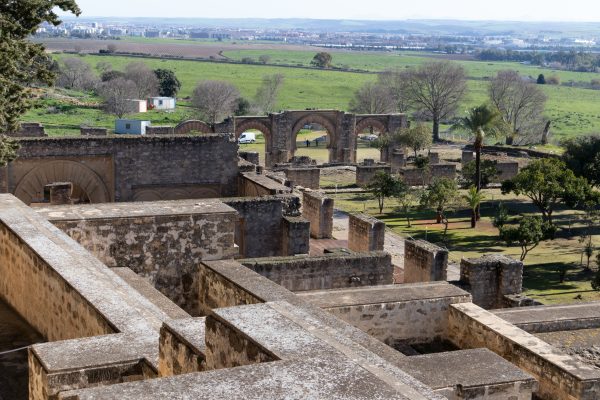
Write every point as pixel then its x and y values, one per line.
pixel 574 111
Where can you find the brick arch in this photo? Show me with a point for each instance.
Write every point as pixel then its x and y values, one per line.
pixel 314 119
pixel 256 125
pixel 193 126
pixel 31 187
pixel 370 122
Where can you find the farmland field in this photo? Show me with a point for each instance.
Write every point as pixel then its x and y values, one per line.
pixel 573 110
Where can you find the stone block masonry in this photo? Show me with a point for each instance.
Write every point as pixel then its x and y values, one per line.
pixel 424 262
pixel 490 278
pixel 365 233
pixel 309 178
pixel 366 172
pixel 296 236
pixel 318 209
pixel 325 272
pixel 163 242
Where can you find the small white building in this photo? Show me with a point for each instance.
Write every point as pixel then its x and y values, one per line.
pixel 137 106
pixel 131 126
pixel 162 103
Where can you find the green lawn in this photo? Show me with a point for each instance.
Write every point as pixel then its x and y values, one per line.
pixel 541 276
pixel 574 111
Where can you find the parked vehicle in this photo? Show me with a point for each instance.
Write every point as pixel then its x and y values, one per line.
pixel 369 138
pixel 247 137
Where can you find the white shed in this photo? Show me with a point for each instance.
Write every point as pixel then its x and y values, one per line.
pixel 131 126
pixel 162 103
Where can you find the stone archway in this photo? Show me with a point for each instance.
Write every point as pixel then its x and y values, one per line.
pixel 368 123
pixel 255 125
pixel 193 126
pixel 31 187
pixel 328 125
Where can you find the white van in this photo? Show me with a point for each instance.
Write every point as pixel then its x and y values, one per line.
pixel 247 137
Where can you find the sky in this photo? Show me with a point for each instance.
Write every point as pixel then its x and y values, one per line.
pixel 513 10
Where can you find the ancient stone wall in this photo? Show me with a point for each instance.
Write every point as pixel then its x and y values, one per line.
pixel 397 161
pixel 127 168
pixel 467 157
pixel 259 230
pixel 561 377
pixel 160 130
pixel 366 173
pixel 318 209
pixel 250 156
pixel 93 131
pixel 182 348
pixel 419 177
pixel 29 129
pixel 365 233
pixel 506 171
pixel 424 262
pixel 257 185
pixel 490 278
pixel 309 178
pixel 163 242
pixel 325 272
pixel 296 236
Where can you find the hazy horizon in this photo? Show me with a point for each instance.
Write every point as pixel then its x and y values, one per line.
pixel 384 10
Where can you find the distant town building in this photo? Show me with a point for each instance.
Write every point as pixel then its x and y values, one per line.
pixel 131 126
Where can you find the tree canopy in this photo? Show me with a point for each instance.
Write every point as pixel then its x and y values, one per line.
pixel 417 137
pixel 384 185
pixel 582 156
pixel 322 60
pixel 23 63
pixel 168 84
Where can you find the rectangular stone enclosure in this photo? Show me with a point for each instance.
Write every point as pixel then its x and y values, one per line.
pixel 365 233
pixel 318 210
pixel 424 262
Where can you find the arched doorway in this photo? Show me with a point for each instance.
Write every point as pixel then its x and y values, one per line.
pixel 371 135
pixel 263 144
pixel 313 136
pixel 88 187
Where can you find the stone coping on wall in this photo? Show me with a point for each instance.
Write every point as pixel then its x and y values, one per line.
pixel 469 368
pixel 125 309
pixel 190 331
pixel 120 138
pixel 383 294
pixel 541 319
pixel 134 210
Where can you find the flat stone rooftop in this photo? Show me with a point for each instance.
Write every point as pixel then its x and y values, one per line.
pixel 132 210
pixel 553 318
pixel 381 294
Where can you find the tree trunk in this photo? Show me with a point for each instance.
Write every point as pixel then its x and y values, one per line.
pixel 439 217
pixel 473 218
pixel 478 178
pixel 436 129
pixel 408 221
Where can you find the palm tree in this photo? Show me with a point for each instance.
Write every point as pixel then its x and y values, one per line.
pixel 477 121
pixel 474 199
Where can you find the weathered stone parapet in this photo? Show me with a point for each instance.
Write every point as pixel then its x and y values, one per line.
pixel 307 177
pixel 333 271
pixel 29 129
pixel 257 185
pixel 397 161
pixel 560 376
pixel 365 233
pixel 318 209
pixel 490 278
pixel 424 262
pixel 59 193
pixel 418 177
pixel 434 158
pixel 506 171
pixel 296 236
pixel 366 172
pixel 93 131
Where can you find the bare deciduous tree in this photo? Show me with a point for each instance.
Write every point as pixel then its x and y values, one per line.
pixel 266 95
pixel 397 83
pixel 76 74
pixel 372 98
pixel 520 103
pixel 144 78
pixel 115 94
pixel 215 100
pixel 436 90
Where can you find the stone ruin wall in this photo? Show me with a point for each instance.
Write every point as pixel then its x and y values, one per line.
pixel 424 262
pixel 318 210
pixel 365 233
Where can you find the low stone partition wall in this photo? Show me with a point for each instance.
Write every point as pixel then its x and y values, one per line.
pixel 257 185
pixel 160 130
pixel 560 376
pixel 325 272
pixel 296 236
pixel 162 241
pixel 418 177
pixel 424 262
pixel 365 233
pixel 366 172
pixel 93 131
pixel 434 158
pixel 506 171
pixel 182 347
pixel 397 161
pixel 69 296
pixel 318 210
pixel 467 157
pixel 246 166
pixel 29 129
pixel 411 313
pixel 309 178
pixel 490 278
